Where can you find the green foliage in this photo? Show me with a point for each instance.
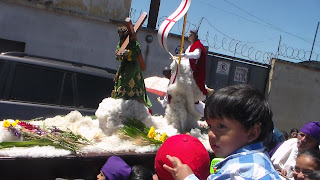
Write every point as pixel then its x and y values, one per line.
pixel 135 129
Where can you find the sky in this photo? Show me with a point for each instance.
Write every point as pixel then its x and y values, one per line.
pixel 249 29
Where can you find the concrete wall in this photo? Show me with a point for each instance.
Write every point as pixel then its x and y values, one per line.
pixel 294 94
pixel 97 9
pixel 81 39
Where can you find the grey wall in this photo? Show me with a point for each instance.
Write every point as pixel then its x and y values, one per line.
pixel 96 9
pixel 294 94
pixel 58 35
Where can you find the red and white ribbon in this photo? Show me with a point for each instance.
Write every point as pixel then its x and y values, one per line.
pixel 170 21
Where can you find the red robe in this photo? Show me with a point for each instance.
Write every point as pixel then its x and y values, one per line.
pixel 198 66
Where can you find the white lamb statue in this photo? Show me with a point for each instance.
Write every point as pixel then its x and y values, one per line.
pixel 182 93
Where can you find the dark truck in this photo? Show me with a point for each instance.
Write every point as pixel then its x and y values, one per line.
pixel 40 87
pixel 32 87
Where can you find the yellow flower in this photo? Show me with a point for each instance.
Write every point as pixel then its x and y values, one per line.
pixel 163 137
pixel 6 124
pixel 15 123
pixel 152 133
pixel 157 137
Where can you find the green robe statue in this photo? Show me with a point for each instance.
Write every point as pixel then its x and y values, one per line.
pixel 129 81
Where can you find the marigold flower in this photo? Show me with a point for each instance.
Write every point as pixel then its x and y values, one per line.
pixel 15 123
pixel 152 133
pixel 6 124
pixel 157 137
pixel 163 137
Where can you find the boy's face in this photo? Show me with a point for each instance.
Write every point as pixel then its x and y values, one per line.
pixel 226 136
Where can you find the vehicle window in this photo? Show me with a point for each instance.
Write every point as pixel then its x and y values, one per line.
pixel 2 79
pixel 1 65
pixel 36 84
pixel 9 45
pixel 92 90
pixel 67 96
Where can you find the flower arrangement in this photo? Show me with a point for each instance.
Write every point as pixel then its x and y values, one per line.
pixel 153 135
pixel 145 135
pixel 32 135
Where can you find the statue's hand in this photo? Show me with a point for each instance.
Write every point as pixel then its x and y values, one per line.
pixel 181 55
pixel 125 53
pixel 118 56
pixel 178 56
pixel 175 58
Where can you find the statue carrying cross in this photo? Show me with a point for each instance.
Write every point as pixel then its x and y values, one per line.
pixel 129 81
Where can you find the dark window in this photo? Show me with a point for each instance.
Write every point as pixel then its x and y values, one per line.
pixel 67 96
pixel 2 78
pixel 36 84
pixel 92 90
pixel 1 65
pixel 8 45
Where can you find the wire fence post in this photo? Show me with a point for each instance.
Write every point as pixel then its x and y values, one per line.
pixel 315 36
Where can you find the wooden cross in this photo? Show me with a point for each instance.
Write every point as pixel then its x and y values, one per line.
pixel 133 35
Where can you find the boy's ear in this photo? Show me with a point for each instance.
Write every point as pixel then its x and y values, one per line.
pixel 254 133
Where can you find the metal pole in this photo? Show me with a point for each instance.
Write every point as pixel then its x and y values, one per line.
pixel 315 36
pixel 153 14
pixel 277 54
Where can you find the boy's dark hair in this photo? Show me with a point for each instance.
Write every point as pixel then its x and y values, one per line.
pixel 315 175
pixel 314 153
pixel 139 172
pixel 243 103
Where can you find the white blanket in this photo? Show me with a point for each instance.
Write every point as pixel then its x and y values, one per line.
pixel 102 131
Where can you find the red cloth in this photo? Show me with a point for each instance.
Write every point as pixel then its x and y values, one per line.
pixel 189 150
pixel 198 66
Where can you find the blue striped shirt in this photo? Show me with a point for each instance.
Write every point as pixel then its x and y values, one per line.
pixel 249 162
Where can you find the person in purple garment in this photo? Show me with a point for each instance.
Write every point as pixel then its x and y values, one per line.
pixel 114 169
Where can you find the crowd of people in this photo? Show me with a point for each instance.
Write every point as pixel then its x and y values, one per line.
pixel 239 119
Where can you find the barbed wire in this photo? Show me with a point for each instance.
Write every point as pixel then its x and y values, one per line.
pixel 238 48
pixel 297 54
pixel 245 49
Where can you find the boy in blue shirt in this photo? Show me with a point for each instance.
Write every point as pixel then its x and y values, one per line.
pixel 239 119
